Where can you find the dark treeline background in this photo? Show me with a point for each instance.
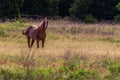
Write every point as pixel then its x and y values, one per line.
pixel 85 10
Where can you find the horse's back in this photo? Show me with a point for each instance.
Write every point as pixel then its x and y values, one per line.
pixel 32 31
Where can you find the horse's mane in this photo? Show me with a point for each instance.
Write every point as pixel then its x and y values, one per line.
pixel 41 23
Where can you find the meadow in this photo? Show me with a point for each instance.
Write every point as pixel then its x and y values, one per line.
pixel 73 51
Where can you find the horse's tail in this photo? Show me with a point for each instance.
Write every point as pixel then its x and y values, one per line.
pixel 25 32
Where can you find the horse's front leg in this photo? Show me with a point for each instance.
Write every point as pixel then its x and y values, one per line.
pixel 32 42
pixel 37 43
pixel 43 42
pixel 28 38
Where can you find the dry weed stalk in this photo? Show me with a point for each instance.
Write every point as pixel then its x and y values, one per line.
pixel 29 59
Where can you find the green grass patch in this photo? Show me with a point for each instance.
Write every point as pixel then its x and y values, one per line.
pixel 8 27
pixel 111 40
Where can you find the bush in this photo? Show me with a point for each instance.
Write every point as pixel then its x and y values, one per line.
pixel 114 68
pixel 117 18
pixel 89 19
pixel 3 33
pixel 9 27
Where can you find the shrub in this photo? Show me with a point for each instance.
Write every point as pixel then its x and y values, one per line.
pixel 89 19
pixel 10 27
pixel 117 18
pixel 3 33
pixel 114 68
pixel 108 39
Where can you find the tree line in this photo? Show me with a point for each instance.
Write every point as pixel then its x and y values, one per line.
pixel 86 10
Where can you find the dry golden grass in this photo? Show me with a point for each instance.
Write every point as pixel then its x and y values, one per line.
pixel 63 36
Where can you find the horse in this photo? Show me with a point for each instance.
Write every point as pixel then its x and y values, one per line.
pixel 36 32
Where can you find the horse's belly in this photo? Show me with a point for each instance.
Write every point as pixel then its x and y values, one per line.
pixel 35 35
pixel 40 36
pixel 32 34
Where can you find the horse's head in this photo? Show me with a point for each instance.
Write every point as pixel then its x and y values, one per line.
pixel 45 23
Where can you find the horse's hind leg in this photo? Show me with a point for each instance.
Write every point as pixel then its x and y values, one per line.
pixel 32 42
pixel 28 38
pixel 37 43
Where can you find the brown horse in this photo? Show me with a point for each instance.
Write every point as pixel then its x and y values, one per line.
pixel 37 33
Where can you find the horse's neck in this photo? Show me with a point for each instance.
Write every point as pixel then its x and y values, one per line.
pixel 41 27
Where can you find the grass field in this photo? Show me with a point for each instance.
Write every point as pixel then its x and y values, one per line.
pixel 73 51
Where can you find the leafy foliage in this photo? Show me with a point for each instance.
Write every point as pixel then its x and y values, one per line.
pixel 90 19
pixel 99 9
pixel 72 69
pixel 104 9
pixel 117 18
pixel 10 8
pixel 41 7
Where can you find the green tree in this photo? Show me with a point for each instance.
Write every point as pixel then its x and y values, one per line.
pixel 104 9
pixel 41 7
pixel 11 8
pixel 53 8
pixel 100 9
pixel 118 6
pixel 64 6
pixel 80 8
